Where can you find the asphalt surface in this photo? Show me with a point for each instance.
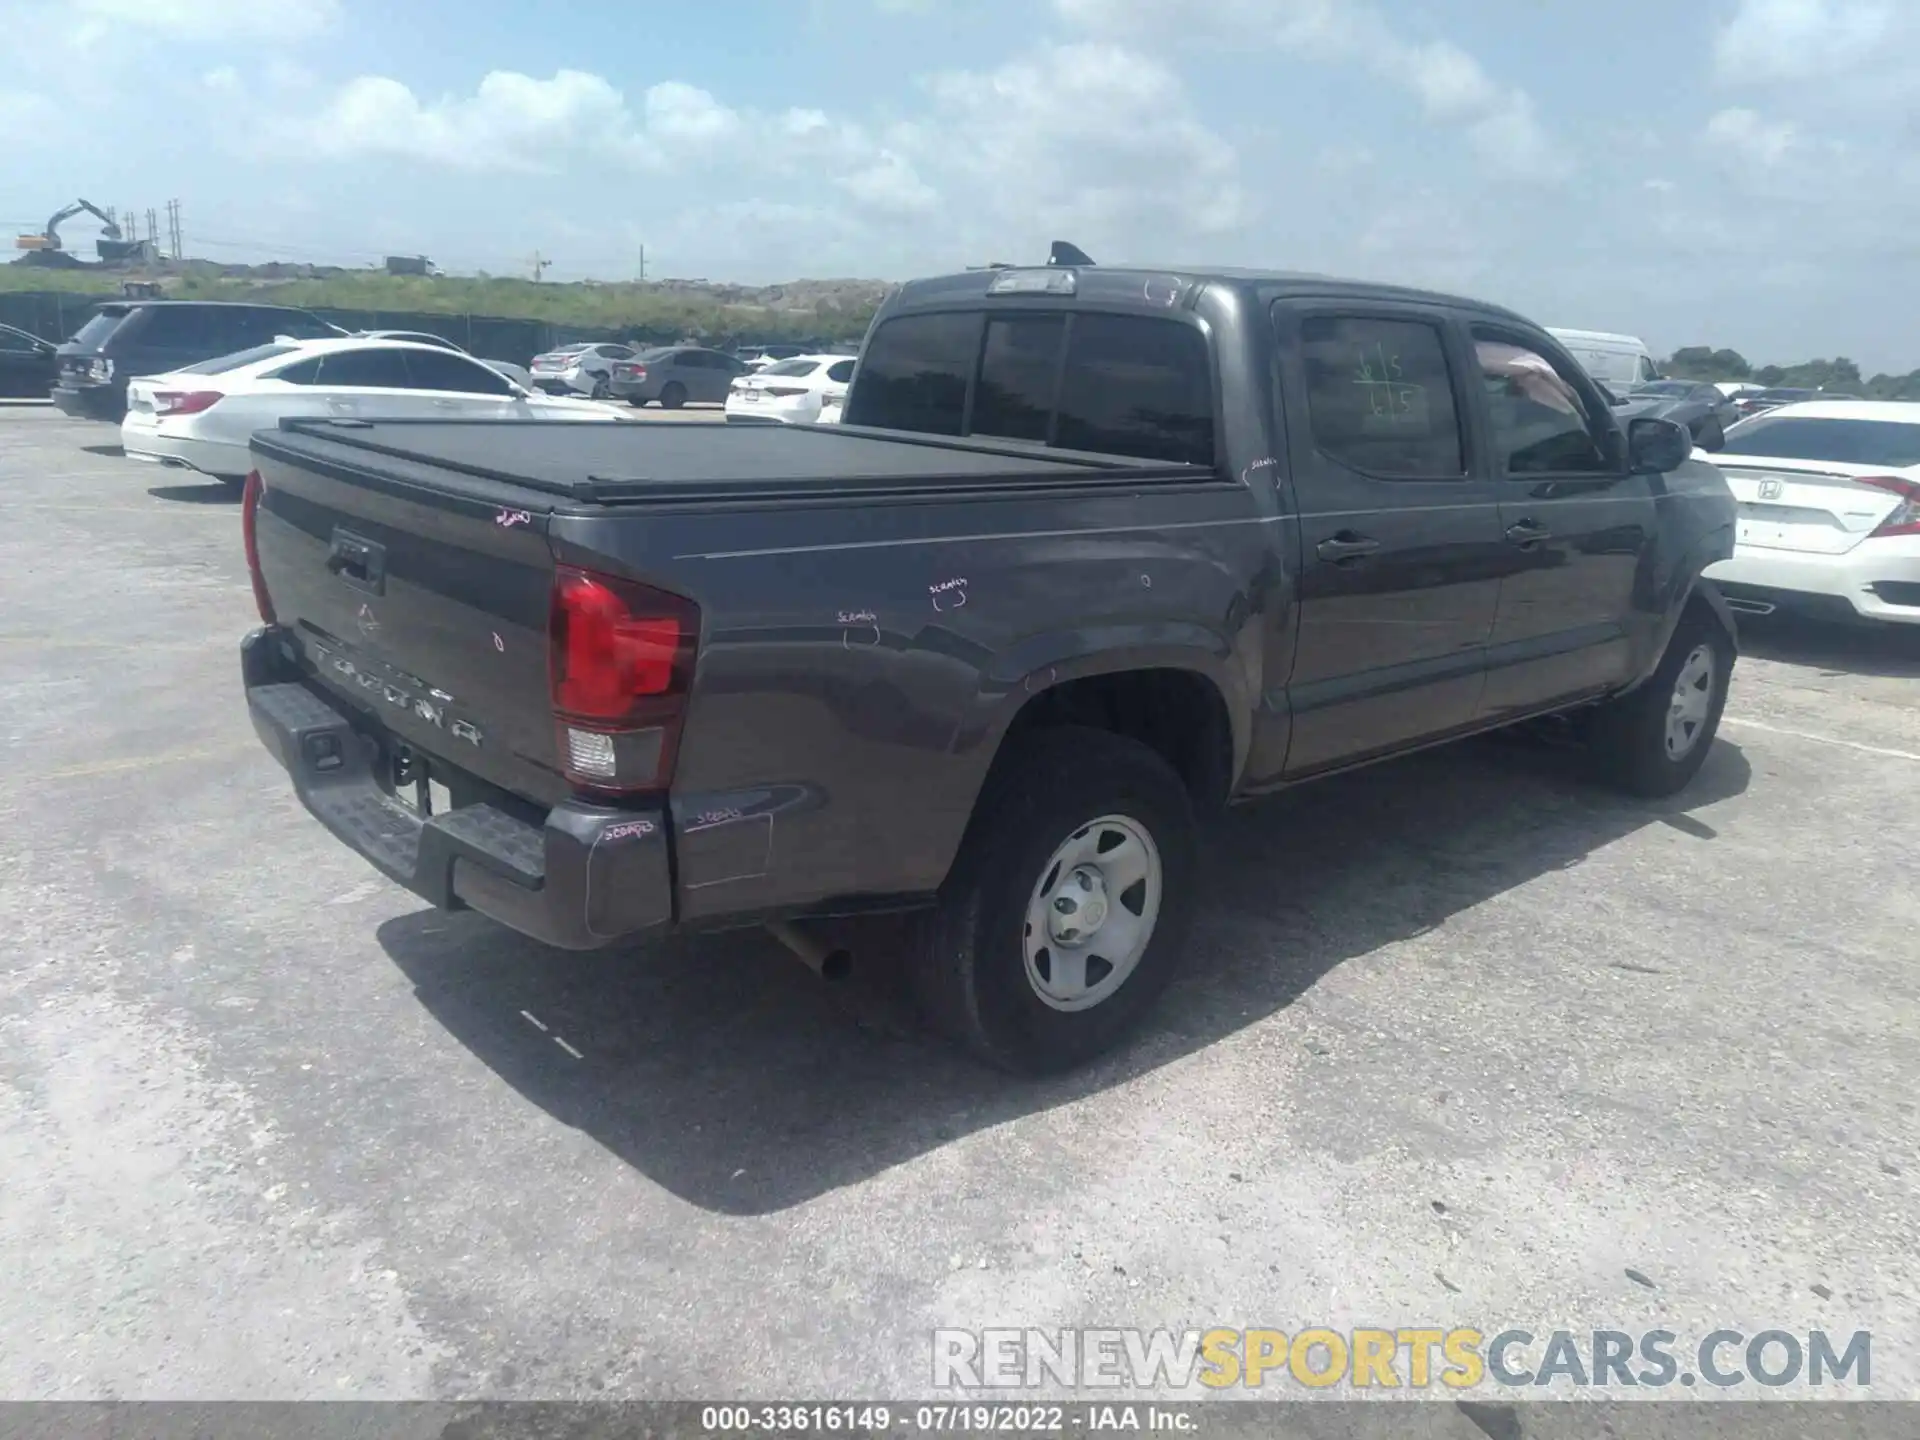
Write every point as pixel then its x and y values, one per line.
pixel 1462 1041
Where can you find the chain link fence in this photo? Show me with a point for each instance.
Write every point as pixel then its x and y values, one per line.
pixel 54 315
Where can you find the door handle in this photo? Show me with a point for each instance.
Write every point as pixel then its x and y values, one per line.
pixel 1528 532
pixel 1338 549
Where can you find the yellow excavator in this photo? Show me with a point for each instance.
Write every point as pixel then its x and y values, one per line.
pixel 111 244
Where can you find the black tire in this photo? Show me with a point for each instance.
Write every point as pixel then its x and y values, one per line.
pixel 637 401
pixel 673 396
pixel 1712 437
pixel 968 967
pixel 1629 735
pixel 602 388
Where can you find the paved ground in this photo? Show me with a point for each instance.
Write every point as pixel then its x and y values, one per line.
pixel 1463 1042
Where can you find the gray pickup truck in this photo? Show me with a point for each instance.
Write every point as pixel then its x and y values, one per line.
pixel 1097 551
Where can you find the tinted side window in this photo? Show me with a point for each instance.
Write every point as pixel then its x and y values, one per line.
pixel 1380 396
pixel 442 370
pixel 299 325
pixel 840 372
pixel 304 372
pixel 1019 368
pixel 914 374
pixel 366 369
pixel 1137 386
pixel 1540 424
pixel 171 328
pixel 13 342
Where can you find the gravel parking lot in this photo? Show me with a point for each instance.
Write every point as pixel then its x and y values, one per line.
pixel 1463 1041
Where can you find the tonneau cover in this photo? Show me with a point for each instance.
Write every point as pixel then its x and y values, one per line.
pixel 685 461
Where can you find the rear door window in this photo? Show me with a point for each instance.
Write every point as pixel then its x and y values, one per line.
pixel 443 370
pixel 1137 386
pixel 366 370
pixel 184 327
pixel 840 372
pixel 916 374
pixel 1380 396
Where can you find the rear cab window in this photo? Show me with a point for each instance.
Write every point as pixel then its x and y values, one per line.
pixel 1114 384
pixel 1893 443
pixel 102 323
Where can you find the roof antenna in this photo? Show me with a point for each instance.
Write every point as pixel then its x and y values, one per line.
pixel 1065 254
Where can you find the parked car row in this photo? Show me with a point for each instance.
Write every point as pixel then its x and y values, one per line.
pixel 201 417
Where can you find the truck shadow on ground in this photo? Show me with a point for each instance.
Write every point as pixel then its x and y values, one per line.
pixel 211 492
pixel 1889 651
pixel 726 1072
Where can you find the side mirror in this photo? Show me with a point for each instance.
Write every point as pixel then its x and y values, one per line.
pixel 1657 446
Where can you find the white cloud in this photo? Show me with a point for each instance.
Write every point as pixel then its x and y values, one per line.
pixel 1770 40
pixel 209 20
pixel 891 185
pixel 1450 85
pixel 1094 142
pixel 1747 134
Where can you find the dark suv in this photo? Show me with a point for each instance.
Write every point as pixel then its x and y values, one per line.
pixel 125 338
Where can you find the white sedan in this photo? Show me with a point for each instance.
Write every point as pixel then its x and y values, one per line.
pixel 799 391
pixel 201 417
pixel 1829 494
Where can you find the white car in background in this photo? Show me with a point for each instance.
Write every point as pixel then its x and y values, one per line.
pixel 1829 494
pixel 585 369
pixel 791 392
pixel 201 417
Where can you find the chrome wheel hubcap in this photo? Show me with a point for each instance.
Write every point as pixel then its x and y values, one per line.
pixel 1692 701
pixel 1091 916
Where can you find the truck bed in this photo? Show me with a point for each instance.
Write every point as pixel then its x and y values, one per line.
pixel 662 463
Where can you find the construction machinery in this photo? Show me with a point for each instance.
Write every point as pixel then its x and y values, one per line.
pixel 112 244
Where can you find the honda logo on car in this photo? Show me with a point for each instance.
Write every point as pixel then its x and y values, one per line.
pixel 1770 489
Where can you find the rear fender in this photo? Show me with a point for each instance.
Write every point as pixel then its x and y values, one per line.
pixel 1046 661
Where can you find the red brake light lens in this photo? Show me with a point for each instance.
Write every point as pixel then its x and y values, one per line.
pixel 250 541
pixel 185 402
pixel 621 661
pixel 1905 517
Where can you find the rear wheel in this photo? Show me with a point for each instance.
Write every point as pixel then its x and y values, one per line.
pixel 1712 437
pixel 1067 908
pixel 673 396
pixel 602 388
pixel 637 401
pixel 1653 741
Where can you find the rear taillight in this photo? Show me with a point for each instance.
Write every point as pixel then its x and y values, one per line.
pixel 1905 517
pixel 786 391
pixel 185 402
pixel 620 661
pixel 250 540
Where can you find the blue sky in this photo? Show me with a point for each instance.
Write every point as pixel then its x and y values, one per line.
pixel 1735 172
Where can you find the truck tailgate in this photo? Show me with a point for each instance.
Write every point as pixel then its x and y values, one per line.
pixel 422 607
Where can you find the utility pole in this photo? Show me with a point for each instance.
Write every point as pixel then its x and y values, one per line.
pixel 153 230
pixel 540 266
pixel 173 229
pixel 643 264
